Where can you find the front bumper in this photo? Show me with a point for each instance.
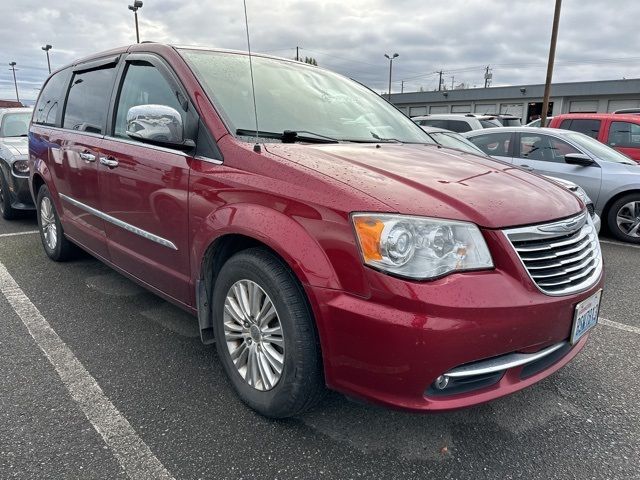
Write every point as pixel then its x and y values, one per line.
pixel 20 193
pixel 597 223
pixel 390 348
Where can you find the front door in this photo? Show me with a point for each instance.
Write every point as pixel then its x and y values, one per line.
pixel 544 154
pixel 144 189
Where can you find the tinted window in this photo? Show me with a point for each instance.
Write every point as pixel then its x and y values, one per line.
pixel 435 123
pixel 511 122
pixel 15 124
pixel 51 99
pixel 88 100
pixel 458 126
pixel 143 85
pixel 495 144
pixel 566 124
pixel 544 148
pixel 584 125
pixel 624 134
pixel 490 123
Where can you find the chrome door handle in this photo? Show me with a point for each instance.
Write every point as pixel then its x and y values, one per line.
pixel 109 162
pixel 88 157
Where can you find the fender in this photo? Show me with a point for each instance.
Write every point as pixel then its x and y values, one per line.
pixel 276 230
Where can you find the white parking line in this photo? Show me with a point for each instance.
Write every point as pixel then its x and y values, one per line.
pixel 619 326
pixel 15 234
pixel 133 454
pixel 620 244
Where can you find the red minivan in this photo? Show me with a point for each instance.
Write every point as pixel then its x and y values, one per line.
pixel 317 234
pixel 619 131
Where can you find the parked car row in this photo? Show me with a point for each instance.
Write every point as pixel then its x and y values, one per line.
pixel 337 246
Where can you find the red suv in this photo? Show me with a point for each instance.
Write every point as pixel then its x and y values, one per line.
pixel 318 234
pixel 619 131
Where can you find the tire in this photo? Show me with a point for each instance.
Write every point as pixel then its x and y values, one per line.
pixel 8 212
pixel 623 218
pixel 300 384
pixel 55 244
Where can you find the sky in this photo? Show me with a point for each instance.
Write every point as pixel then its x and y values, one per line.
pixel 598 39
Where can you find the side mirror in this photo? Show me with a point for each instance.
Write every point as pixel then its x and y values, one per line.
pixel 578 159
pixel 158 125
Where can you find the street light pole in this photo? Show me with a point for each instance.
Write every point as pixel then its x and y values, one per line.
pixel 552 56
pixel 134 8
pixel 15 82
pixel 395 55
pixel 46 48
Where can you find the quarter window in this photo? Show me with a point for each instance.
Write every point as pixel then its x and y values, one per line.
pixel 51 99
pixel 458 126
pixel 88 100
pixel 624 134
pixel 143 85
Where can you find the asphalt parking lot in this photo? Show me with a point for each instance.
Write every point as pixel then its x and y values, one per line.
pixel 181 419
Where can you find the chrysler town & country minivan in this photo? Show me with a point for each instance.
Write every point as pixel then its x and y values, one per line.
pixel 319 236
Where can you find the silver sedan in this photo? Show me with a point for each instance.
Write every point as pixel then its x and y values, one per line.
pixel 611 179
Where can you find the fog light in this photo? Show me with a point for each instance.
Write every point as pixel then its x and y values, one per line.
pixel 441 382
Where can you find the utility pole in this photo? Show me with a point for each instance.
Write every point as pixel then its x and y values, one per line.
pixel 297 54
pixel 402 87
pixel 452 80
pixel 395 55
pixel 15 82
pixel 46 48
pixel 552 56
pixel 440 81
pixel 134 8
pixel 487 77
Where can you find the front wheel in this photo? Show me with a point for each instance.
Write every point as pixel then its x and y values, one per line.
pixel 55 244
pixel 624 218
pixel 7 211
pixel 266 336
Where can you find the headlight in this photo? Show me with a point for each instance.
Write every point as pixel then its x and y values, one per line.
pixel 420 247
pixel 21 167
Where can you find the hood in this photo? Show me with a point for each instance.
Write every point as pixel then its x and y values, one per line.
pixel 438 182
pixel 16 145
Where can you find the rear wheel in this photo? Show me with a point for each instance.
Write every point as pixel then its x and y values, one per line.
pixel 624 218
pixel 7 211
pixel 265 335
pixel 55 244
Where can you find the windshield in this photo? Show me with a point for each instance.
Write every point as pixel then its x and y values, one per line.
pixel 15 124
pixel 599 150
pixel 297 97
pixel 456 141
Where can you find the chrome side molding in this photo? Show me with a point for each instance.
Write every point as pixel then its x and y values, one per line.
pixel 119 223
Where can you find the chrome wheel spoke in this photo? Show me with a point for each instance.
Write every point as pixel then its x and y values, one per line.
pixel 628 219
pixel 254 335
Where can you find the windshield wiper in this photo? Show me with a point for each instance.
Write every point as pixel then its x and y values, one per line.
pixel 288 136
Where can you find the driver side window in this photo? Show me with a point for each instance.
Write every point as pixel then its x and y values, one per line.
pixel 544 148
pixel 143 85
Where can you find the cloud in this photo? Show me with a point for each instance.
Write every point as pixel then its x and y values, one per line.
pixel 349 37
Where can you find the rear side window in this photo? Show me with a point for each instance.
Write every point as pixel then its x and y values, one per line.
pixel 624 134
pixel 494 144
pixel 435 123
pixel 51 100
pixel 583 125
pixel 490 123
pixel 88 100
pixel 458 126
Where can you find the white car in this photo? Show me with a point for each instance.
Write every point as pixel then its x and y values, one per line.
pixel 463 122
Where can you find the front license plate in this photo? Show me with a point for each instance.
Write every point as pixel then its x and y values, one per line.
pixel 585 316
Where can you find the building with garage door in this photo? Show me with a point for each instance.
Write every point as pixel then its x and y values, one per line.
pixel 525 101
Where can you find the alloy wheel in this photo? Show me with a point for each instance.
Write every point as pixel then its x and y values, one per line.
pixel 48 223
pixel 253 334
pixel 628 219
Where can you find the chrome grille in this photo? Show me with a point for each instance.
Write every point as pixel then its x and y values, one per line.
pixel 561 257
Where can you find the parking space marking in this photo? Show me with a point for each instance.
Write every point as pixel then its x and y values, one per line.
pixel 131 452
pixel 620 244
pixel 15 234
pixel 619 326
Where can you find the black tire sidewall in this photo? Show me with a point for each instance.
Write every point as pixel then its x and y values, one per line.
pixel 8 212
pixel 612 215
pixel 296 322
